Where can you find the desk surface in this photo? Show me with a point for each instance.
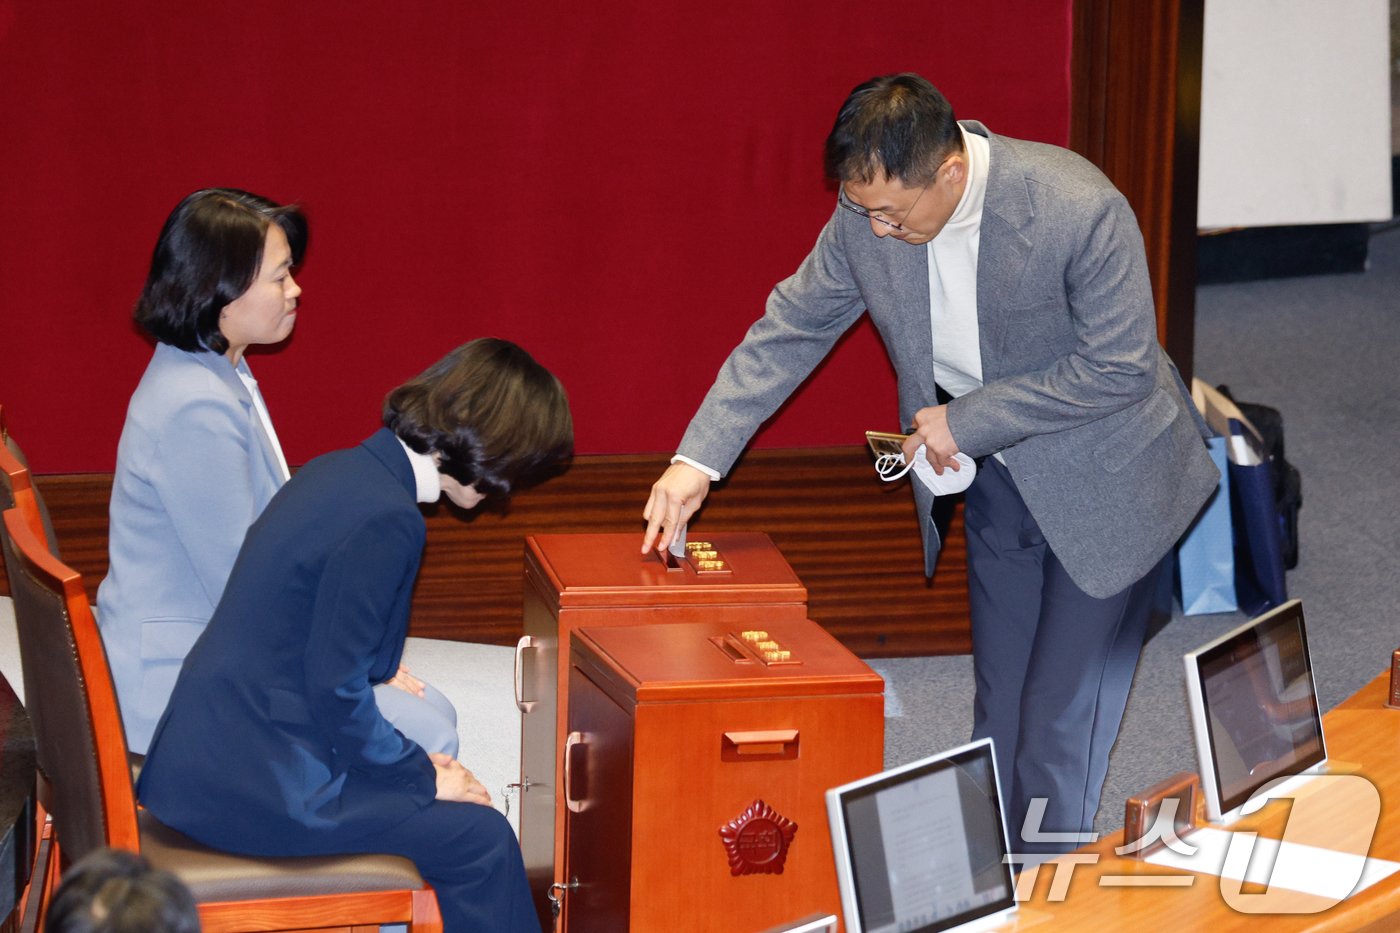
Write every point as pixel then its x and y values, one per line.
pixel 1362 731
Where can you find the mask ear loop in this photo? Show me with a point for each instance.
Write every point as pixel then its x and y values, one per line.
pixel 887 465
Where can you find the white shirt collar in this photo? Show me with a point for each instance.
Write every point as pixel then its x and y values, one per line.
pixel 425 473
pixel 264 417
pixel 969 210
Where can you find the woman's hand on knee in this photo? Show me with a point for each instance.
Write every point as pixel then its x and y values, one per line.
pixel 455 782
pixel 406 682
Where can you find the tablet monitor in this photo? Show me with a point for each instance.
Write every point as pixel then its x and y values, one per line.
pixel 922 847
pixel 1254 712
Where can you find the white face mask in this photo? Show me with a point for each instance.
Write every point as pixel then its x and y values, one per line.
pixel 889 468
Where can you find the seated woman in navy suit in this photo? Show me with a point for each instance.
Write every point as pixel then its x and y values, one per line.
pixel 272 743
pixel 198 458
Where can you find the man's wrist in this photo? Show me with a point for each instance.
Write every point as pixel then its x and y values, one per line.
pixel 712 474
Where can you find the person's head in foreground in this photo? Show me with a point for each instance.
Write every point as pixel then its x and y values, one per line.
pixel 113 891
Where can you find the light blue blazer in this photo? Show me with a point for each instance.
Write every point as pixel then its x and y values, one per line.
pixel 194 469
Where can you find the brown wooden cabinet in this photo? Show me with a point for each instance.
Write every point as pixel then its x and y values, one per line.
pixel 599 580
pixel 696 763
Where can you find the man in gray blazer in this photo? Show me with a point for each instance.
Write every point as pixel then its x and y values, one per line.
pixel 1009 284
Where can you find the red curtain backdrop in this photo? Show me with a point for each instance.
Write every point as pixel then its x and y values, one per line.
pixel 616 185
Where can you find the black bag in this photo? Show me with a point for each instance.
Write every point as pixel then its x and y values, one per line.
pixel 1288 482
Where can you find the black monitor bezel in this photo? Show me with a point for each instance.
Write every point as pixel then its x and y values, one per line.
pixel 1285 615
pixel 955 758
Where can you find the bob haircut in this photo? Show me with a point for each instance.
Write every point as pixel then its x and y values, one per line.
pixel 500 420
pixel 208 254
pixel 900 126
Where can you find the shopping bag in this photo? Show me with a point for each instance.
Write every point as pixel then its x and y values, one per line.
pixel 1259 577
pixel 1259 580
pixel 1205 557
pixel 1288 482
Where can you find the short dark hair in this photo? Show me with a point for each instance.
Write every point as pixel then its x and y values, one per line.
pixel 113 891
pixel 500 420
pixel 899 126
pixel 207 255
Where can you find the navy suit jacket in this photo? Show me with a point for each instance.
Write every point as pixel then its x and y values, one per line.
pixel 272 743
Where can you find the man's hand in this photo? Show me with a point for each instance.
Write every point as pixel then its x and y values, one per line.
pixel 931 430
pixel 674 498
pixel 455 782
pixel 406 682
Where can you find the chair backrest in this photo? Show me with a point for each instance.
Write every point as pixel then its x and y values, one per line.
pixel 17 493
pixel 79 741
pixel 14 475
pixel 23 503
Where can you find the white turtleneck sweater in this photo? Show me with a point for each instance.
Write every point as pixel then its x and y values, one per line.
pixel 952 280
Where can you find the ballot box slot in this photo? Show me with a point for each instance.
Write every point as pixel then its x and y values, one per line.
pixel 754 646
pixel 702 557
pixel 733 649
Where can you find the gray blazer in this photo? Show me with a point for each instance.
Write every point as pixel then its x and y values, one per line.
pixel 194 469
pixel 1088 412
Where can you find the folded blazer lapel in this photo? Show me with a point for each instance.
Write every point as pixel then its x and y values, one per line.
pixel 908 272
pixel 1003 251
pixel 270 459
pixel 219 365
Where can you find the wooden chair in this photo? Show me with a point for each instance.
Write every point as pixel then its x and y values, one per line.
pixel 16 481
pixel 18 491
pixel 82 749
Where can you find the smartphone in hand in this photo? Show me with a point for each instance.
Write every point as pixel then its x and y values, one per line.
pixel 885 444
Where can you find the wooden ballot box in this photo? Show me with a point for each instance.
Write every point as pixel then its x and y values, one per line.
pixel 599 580
pixel 695 767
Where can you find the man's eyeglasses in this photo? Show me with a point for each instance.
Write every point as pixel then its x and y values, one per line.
pixel 859 211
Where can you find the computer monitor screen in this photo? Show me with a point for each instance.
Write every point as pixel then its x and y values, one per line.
pixel 1254 709
pixel 922 847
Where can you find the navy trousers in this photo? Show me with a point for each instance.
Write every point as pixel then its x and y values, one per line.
pixel 1053 666
pixel 470 856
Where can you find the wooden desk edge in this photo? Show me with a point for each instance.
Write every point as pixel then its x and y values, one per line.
pixel 1361 719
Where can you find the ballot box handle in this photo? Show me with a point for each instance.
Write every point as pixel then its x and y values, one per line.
pixel 573 744
pixel 521 703
pixel 765 744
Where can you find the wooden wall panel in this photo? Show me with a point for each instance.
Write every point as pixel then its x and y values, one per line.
pixel 851 539
pixel 1135 113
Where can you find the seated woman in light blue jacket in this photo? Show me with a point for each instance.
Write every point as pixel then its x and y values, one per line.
pixel 198 457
